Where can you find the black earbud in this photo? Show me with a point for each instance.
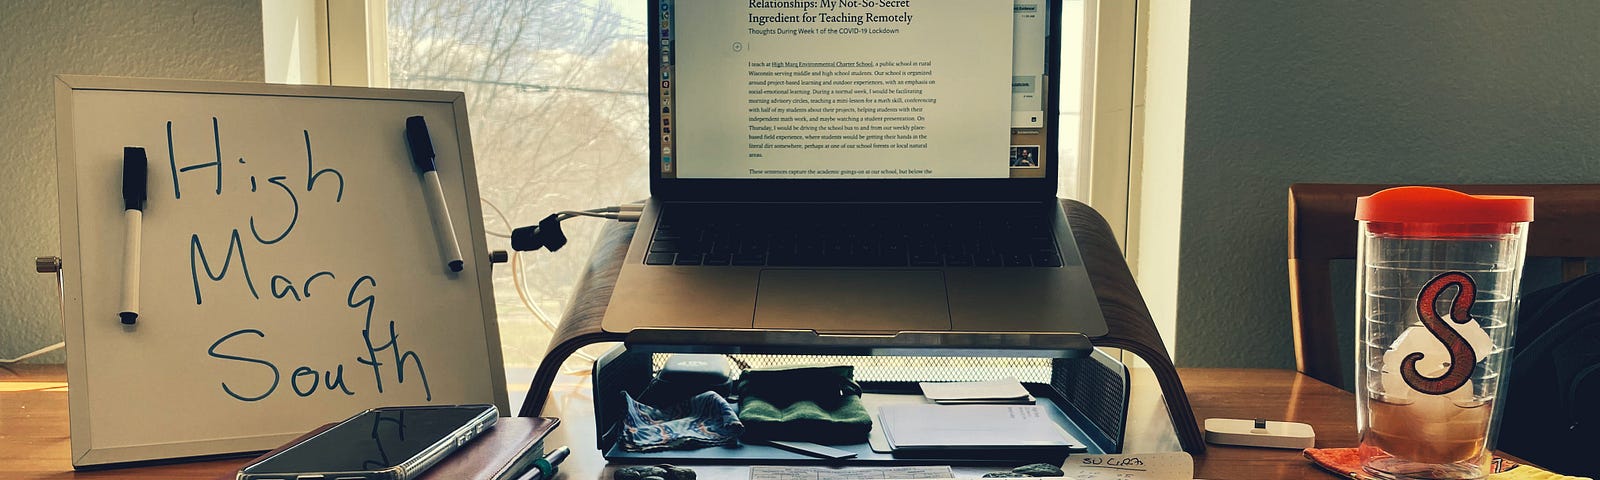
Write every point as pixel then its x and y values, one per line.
pixel 547 234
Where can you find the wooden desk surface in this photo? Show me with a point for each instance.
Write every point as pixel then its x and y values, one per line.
pixel 34 443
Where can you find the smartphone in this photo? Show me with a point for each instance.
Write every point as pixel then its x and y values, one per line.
pixel 389 443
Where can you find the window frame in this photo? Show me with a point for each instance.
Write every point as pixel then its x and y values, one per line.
pixel 351 49
pixel 1107 148
pixel 326 42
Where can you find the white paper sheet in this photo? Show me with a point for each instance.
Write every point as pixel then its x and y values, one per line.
pixel 778 472
pixel 1008 389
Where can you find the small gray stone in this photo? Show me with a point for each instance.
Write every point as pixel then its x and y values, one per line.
pixel 641 472
pixel 677 473
pixel 1004 475
pixel 1039 470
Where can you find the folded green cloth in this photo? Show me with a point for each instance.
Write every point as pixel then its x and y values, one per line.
pixel 810 404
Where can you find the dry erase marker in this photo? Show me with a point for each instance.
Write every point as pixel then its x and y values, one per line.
pixel 422 155
pixel 545 468
pixel 134 175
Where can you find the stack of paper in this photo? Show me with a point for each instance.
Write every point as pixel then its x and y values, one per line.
pixel 999 391
pixel 972 427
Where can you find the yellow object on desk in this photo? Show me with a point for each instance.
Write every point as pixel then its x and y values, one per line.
pixel 1529 472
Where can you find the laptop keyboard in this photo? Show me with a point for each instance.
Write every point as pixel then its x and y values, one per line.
pixel 992 235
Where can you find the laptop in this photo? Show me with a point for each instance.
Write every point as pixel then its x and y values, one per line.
pixel 854 167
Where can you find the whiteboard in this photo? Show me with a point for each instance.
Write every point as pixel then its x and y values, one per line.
pixel 291 273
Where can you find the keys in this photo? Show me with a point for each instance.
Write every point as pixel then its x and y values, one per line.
pixel 750 259
pixel 718 259
pixel 1018 260
pixel 853 236
pixel 958 260
pixel 1046 260
pixel 659 258
pixel 926 259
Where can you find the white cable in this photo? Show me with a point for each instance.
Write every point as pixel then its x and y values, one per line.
pixel 503 218
pixel 519 278
pixel 35 353
pixel 516 268
pixel 520 281
pixel 586 213
pixel 522 284
pixel 630 212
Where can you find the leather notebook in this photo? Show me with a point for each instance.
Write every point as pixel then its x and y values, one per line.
pixel 503 452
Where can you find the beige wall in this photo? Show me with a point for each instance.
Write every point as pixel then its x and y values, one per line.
pixel 38 39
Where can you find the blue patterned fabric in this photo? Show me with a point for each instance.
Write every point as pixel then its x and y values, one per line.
pixel 704 421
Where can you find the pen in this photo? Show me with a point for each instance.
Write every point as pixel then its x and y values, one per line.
pixel 422 155
pixel 134 175
pixel 546 468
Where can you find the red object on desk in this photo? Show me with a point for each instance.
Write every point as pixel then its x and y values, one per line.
pixel 1347 462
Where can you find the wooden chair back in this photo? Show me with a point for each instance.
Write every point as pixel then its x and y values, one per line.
pixel 1322 228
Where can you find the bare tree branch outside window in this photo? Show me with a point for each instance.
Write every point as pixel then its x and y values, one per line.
pixel 556 96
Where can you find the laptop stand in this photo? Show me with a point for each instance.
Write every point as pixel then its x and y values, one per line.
pixel 1130 327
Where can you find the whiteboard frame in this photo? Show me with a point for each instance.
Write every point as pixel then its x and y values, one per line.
pixel 84 452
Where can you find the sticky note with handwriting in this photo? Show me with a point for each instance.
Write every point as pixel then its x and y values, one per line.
pixel 1135 466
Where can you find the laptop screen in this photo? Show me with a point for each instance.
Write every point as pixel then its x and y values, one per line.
pixel 852 89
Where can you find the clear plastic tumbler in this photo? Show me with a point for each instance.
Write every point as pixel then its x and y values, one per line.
pixel 1437 288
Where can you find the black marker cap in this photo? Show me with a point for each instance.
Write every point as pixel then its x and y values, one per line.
pixel 135 173
pixel 421 144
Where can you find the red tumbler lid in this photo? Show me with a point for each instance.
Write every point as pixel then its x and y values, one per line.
pixel 1432 205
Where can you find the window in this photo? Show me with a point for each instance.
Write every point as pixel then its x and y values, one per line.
pixel 556 97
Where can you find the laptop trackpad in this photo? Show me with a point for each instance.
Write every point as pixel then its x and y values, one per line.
pixel 847 301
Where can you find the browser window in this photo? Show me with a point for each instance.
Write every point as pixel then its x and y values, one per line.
pixel 839 89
